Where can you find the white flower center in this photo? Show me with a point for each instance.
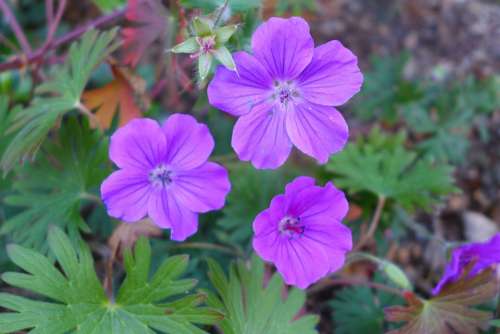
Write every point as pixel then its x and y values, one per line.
pixel 160 176
pixel 291 226
pixel 285 92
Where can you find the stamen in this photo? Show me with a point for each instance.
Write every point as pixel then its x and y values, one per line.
pixel 291 226
pixel 161 176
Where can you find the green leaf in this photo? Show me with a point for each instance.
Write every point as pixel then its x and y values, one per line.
pixel 53 189
pixel 450 311
pixel 381 164
pixel 495 323
pixel 79 303
pixel 252 308
pixel 251 193
pixel 360 310
pixel 223 34
pixel 202 26
pixel 56 97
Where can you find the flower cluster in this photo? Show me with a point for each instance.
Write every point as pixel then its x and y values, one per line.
pixel 284 95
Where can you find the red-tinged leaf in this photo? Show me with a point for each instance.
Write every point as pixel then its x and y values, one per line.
pixel 120 94
pixel 148 22
pixel 450 311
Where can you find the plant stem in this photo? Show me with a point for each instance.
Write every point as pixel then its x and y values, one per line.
pixel 16 28
pixel 39 55
pixel 373 224
pixel 343 281
pixel 209 246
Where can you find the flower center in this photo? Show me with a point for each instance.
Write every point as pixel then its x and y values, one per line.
pixel 285 92
pixel 206 44
pixel 291 226
pixel 161 176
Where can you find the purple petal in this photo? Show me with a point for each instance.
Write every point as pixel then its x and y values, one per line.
pixel 140 144
pixel 125 194
pixel 238 93
pixel 167 212
pixel 266 229
pixel 284 46
pixel 336 238
pixel 202 189
pixel 315 200
pixel 301 264
pixel 332 77
pixel 261 137
pixel 189 143
pixel 298 184
pixel 318 131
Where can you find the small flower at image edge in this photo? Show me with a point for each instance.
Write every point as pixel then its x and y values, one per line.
pixel 164 174
pixel 302 232
pixel 285 92
pixel 480 256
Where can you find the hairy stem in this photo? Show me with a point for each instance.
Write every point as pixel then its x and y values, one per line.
pixel 39 55
pixel 16 28
pixel 373 224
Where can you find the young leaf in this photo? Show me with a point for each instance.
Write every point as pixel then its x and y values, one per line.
pixel 55 186
pixel 449 312
pixel 360 310
pixel 148 20
pixel 382 165
pixel 252 308
pixel 56 97
pixel 79 304
pixel 119 94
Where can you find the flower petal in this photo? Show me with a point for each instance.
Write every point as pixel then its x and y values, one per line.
pixel 167 212
pixel 140 144
pixel 301 264
pixel 125 194
pixel 189 142
pixel 334 237
pixel 298 184
pixel 284 46
pixel 238 93
pixel 265 227
pixel 202 189
pixel 332 77
pixel 318 131
pixel 261 137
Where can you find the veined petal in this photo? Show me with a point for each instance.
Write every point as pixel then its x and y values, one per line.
pixel 266 229
pixel 332 77
pixel 260 137
pixel 189 142
pixel 301 264
pixel 202 189
pixel 140 145
pixel 167 212
pixel 317 130
pixel 284 46
pixel 238 93
pixel 125 194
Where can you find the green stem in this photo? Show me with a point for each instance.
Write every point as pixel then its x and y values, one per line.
pixel 209 246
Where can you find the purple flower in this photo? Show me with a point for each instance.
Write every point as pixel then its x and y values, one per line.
pixel 284 94
pixel 483 256
pixel 164 174
pixel 301 232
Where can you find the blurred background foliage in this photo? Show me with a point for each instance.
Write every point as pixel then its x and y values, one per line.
pixel 424 136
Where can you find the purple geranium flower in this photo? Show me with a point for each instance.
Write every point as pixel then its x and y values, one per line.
pixel 483 256
pixel 284 94
pixel 301 232
pixel 164 174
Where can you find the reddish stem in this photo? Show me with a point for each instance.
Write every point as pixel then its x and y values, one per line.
pixel 16 28
pixel 39 55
